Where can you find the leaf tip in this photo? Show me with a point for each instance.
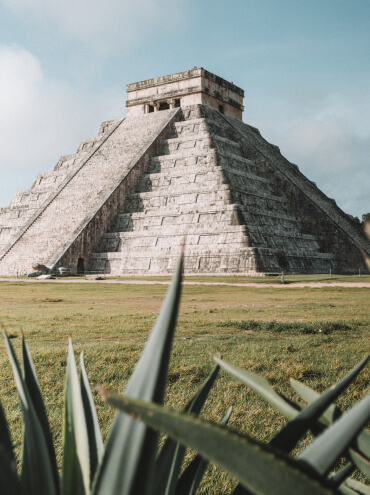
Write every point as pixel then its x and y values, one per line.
pixel 103 392
pixel 216 357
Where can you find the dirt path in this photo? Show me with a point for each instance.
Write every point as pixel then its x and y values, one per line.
pixel 277 285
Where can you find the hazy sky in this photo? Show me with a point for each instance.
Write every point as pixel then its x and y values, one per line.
pixel 304 66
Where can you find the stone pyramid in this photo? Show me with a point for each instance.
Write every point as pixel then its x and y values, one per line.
pixel 181 168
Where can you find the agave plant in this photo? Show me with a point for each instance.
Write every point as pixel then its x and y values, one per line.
pixel 128 463
pixel 267 469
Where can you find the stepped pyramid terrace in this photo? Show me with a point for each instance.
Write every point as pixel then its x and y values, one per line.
pixel 182 167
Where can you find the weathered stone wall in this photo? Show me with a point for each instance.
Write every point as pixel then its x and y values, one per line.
pixel 204 189
pixel 320 216
pixel 196 86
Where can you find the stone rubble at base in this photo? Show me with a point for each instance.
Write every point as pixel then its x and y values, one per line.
pixel 181 168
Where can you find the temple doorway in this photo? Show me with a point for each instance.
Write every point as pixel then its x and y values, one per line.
pixel 164 105
pixel 80 266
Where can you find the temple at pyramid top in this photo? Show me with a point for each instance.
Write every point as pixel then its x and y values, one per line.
pixel 191 87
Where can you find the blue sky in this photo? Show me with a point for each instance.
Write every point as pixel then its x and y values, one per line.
pixel 304 66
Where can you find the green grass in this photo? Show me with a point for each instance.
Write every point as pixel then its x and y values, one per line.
pixel 311 334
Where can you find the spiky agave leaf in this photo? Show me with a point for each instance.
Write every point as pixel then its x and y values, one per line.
pixel 129 457
pixel 261 386
pixel 93 431
pixel 241 490
pixel 9 481
pixel 361 462
pixel 331 414
pixel 346 490
pixel 37 471
pixel 358 487
pixel 76 458
pixel 340 476
pixel 287 438
pixel 256 466
pixel 168 463
pixel 6 444
pixel 30 379
pixel 192 476
pixel 307 394
pixel 324 451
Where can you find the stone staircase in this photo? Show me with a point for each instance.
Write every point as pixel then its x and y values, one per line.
pixel 84 196
pixel 27 204
pixel 203 191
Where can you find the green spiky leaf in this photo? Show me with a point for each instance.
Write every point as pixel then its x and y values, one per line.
pixel 30 379
pixel 93 431
pixel 241 490
pixel 5 441
pixel 37 471
pixel 261 386
pixel 346 490
pixel 253 464
pixel 361 462
pixel 357 486
pixel 331 414
pixel 309 395
pixel 168 464
pixel 76 459
pixel 322 454
pixel 288 437
pixel 192 476
pixel 128 462
pixel 340 476
pixel 9 482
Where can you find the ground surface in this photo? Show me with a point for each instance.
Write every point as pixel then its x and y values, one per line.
pixel 314 334
pixel 273 280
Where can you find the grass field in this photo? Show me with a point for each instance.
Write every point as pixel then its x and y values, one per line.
pixel 311 334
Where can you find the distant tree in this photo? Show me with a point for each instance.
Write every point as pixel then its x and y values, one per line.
pixel 366 227
pixel 365 218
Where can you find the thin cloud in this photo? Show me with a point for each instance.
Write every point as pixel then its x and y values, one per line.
pixel 333 156
pixel 326 134
pixel 42 119
pixel 110 25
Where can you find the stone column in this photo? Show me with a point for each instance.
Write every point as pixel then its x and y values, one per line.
pixel 171 103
